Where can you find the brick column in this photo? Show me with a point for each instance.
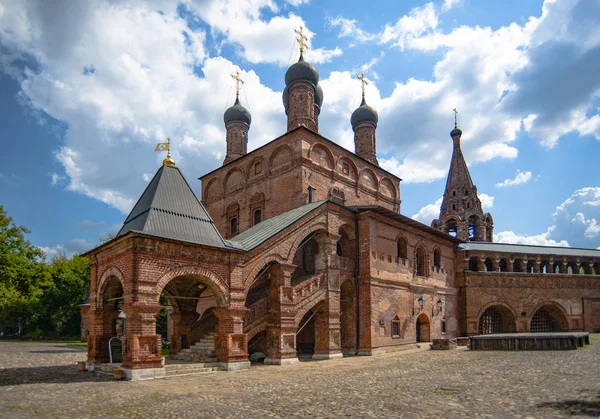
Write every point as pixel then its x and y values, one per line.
pixel 142 346
pixel 281 327
pixel 102 327
pixel 327 321
pixel 231 343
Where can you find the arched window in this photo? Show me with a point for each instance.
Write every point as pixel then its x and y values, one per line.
pixel 402 248
pixel 257 216
pixel 420 262
pixel 437 258
pixel 472 227
pixel 518 265
pixel 489 265
pixel 396 326
pixel 473 264
pixel 453 193
pixel 503 265
pixel 530 267
pixel 233 225
pixel 451 228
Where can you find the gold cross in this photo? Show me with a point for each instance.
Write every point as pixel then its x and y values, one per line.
pixel 302 39
pixel 238 80
pixel 363 81
pixel 455 118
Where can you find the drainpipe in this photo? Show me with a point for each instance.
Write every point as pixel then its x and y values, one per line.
pixel 357 258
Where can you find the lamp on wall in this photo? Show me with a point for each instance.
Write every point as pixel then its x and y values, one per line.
pixel 439 305
pixel 417 310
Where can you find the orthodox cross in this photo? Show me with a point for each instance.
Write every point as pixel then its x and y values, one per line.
pixel 363 81
pixel 455 118
pixel 302 39
pixel 238 80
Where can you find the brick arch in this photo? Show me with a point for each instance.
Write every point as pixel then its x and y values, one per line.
pixel 353 168
pixel 498 303
pixel 387 182
pixel 373 175
pixel 213 281
pixel 232 187
pixel 302 312
pixel 280 151
pixel 214 188
pixel 552 304
pixel 302 235
pixel 250 167
pixel 109 272
pixel 329 155
pixel 265 260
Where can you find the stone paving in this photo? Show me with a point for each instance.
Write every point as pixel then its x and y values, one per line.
pixel 40 380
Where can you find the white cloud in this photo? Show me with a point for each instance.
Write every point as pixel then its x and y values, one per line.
pixel 429 212
pixel 70 248
pixel 349 28
pixel 448 4
pixel 261 41
pixel 419 21
pixel 536 240
pixel 297 3
pixel 56 178
pixel 520 179
pixel 487 201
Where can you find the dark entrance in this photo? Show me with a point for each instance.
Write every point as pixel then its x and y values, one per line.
pixel 422 328
pixel 548 319
pixel 496 319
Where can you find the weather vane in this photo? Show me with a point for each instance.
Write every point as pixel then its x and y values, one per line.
pixel 238 80
pixel 166 147
pixel 363 81
pixel 302 39
pixel 455 118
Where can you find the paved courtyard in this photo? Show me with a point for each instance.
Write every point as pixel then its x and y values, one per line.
pixel 40 380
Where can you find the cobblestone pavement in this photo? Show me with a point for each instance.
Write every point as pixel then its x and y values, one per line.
pixel 40 380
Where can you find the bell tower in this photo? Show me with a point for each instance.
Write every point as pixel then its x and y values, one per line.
pixel 461 214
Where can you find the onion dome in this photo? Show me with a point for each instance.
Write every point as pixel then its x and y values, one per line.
pixel 319 96
pixel 364 113
pixel 456 131
pixel 302 71
pixel 237 113
pixel 286 97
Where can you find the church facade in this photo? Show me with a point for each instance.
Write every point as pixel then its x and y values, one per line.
pixel 298 249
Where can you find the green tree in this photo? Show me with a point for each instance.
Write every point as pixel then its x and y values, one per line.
pixel 23 275
pixel 70 288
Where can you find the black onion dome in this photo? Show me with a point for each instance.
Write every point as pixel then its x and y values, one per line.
pixel 302 71
pixel 237 113
pixel 456 131
pixel 319 96
pixel 364 113
pixel 286 97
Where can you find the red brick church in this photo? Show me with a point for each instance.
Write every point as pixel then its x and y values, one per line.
pixel 299 249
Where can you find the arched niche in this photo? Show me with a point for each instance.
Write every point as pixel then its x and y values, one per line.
pixel 213 189
pixel 235 181
pixel 321 155
pixel 346 167
pixel 387 188
pixel 282 156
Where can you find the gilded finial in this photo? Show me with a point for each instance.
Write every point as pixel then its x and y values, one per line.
pixel 238 80
pixel 302 39
pixel 166 147
pixel 455 118
pixel 363 81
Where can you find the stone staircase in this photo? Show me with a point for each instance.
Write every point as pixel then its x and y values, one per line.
pixel 179 368
pixel 202 351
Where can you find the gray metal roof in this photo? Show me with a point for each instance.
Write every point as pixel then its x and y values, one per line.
pixel 168 208
pixel 266 229
pixel 529 250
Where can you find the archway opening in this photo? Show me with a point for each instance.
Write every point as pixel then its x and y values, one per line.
pixel 496 319
pixel 257 301
pixel 305 335
pixel 348 317
pixel 548 319
pixel 112 299
pixel 423 328
pixel 191 324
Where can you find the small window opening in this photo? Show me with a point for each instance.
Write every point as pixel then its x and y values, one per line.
pixel 233 225
pixel 257 216
pixel 443 326
pixel 396 327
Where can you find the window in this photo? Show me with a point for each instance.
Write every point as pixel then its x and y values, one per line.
pixel 443 327
pixel 453 206
pixel 345 168
pixel 420 262
pixel 396 327
pixel 257 216
pixel 257 168
pixel 402 245
pixel 338 249
pixel 233 225
pixel 453 193
pixel 437 258
pixel 451 228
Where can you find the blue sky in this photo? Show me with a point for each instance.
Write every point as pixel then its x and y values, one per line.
pixel 88 88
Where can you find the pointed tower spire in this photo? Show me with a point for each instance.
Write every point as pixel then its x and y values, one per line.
pixel 461 214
